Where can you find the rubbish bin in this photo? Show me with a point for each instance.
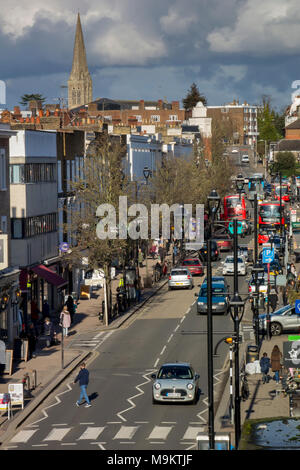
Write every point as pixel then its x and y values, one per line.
pixel 252 354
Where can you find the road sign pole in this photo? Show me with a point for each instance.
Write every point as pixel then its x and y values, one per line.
pixel 268 306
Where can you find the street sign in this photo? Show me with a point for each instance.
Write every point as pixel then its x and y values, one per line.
pixel 267 255
pixel 297 306
pixel 64 247
pixel 239 227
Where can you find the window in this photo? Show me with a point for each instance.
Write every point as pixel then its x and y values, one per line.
pixel 2 170
pixel 155 118
pixel 17 228
pixel 32 173
pixel 173 117
pixel 3 226
pixel 224 110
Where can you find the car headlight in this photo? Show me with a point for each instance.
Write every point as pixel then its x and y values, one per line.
pixel 157 386
pixel 190 386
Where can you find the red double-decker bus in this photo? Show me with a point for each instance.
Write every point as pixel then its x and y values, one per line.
pixel 234 207
pixel 285 195
pixel 269 216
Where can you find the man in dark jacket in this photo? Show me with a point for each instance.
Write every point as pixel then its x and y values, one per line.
pixel 83 379
pixel 265 365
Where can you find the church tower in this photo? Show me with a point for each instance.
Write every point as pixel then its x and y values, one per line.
pixel 80 87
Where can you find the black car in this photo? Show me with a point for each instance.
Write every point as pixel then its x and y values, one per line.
pixel 215 255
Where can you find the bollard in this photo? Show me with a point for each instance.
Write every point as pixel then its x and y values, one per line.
pixel 34 379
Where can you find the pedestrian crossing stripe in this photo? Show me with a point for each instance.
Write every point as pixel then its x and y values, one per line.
pixel 92 433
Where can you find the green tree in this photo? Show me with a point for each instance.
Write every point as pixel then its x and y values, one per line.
pixel 25 99
pixel 268 122
pixel 193 97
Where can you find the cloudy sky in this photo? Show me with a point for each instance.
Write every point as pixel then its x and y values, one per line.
pixel 152 49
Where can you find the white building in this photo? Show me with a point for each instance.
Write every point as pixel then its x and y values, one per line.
pixel 33 212
pixel 199 118
pixel 142 151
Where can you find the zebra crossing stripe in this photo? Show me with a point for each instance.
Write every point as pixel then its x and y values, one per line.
pixel 57 434
pixel 192 432
pixel 23 436
pixel 91 433
pixel 160 432
pixel 126 432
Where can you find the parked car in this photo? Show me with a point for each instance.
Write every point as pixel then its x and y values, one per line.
pixel 234 151
pixel 284 319
pixel 228 266
pixel 245 159
pixel 180 278
pixel 215 254
pixel 175 382
pixel 194 265
pixel 220 298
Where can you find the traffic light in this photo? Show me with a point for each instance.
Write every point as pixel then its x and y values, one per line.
pixel 229 340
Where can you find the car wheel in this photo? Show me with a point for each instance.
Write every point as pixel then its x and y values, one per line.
pixel 169 288
pixel 154 402
pixel 276 329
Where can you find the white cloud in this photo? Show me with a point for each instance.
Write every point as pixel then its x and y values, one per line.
pixel 261 28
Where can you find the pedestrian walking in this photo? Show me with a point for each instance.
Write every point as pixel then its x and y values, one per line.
pixel 71 307
pixel 83 379
pixel 49 332
pixel 265 365
pixel 140 258
pixel 31 335
pixel 45 309
pixel 65 320
pixel 273 299
pixel 276 356
pixel 137 285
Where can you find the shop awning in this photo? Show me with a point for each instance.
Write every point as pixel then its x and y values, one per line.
pixel 49 276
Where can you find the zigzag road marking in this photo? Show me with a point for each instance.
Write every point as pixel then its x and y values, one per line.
pixel 141 392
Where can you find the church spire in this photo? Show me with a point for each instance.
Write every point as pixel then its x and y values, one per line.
pixel 80 82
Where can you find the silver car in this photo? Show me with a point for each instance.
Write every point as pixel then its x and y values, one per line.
pixel 180 278
pixel 228 266
pixel 284 319
pixel 175 382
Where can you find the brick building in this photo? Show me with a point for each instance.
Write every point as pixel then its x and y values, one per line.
pixel 238 120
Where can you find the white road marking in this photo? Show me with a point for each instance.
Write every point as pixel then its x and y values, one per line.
pixel 160 432
pixel 183 318
pixel 98 335
pixel 126 432
pixel 170 337
pixel 141 392
pixel 91 433
pixel 176 328
pixel 163 350
pixel 192 432
pixel 156 362
pixel 57 434
pixel 68 444
pixel 23 436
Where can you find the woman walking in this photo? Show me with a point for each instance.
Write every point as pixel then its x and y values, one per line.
pixel 276 356
pixel 65 320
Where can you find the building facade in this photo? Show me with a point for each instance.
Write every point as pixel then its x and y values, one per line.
pixel 34 217
pixel 239 121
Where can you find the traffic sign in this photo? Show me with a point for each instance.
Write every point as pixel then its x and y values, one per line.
pixel 297 306
pixel 64 247
pixel 267 255
pixel 239 227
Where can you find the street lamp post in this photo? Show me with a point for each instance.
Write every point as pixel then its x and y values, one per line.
pixel 257 269
pixel 238 306
pixel 147 173
pixel 240 181
pixel 213 205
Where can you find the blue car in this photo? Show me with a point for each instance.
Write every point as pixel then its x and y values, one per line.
pixel 220 294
